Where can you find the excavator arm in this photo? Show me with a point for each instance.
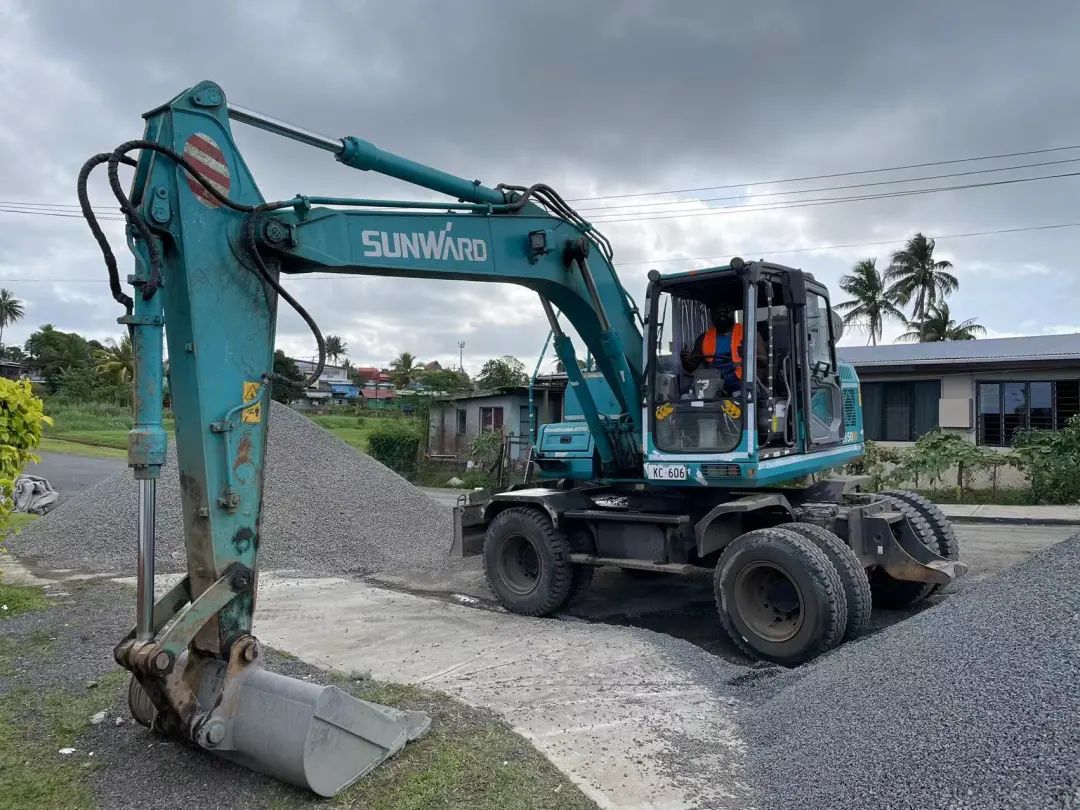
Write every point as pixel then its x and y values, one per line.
pixel 210 255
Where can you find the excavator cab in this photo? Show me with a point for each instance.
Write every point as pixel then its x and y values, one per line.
pixel 743 370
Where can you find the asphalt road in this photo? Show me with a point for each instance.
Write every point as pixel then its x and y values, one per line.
pixel 70 475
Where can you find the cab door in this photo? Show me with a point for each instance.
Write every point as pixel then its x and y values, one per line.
pixel 824 409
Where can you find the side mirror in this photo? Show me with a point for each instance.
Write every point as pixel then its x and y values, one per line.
pixel 837 326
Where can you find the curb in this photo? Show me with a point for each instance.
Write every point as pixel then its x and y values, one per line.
pixel 1015 521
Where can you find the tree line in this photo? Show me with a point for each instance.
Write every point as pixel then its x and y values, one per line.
pixel 914 277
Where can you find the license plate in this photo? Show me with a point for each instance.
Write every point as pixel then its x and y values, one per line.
pixel 667 472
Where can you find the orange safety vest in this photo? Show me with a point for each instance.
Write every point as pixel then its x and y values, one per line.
pixel 708 347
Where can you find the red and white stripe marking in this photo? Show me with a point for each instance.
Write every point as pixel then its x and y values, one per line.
pixel 207 156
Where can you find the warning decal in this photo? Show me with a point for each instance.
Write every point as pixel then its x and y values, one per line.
pixel 204 152
pixel 253 413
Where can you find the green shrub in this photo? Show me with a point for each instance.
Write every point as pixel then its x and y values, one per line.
pixel 396 444
pixel 1051 459
pixel 21 418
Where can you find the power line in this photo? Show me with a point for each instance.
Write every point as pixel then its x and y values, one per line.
pixel 897 241
pixel 815 202
pixel 826 176
pixel 827 188
pixel 747 251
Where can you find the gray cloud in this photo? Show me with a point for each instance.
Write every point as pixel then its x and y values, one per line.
pixel 594 98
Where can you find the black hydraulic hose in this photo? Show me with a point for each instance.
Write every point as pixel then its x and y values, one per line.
pixel 251 231
pixel 118 156
pixel 118 293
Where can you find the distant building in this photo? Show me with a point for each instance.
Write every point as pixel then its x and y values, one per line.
pixel 985 390
pixel 378 395
pixel 334 383
pixel 457 419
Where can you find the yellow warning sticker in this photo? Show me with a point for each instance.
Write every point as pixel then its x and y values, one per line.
pixel 731 409
pixel 252 414
pixel 664 411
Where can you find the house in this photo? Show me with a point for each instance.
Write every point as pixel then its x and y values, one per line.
pixel 457 419
pixel 334 383
pixel 377 394
pixel 985 390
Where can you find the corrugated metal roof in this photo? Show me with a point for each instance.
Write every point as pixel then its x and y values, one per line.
pixel 982 351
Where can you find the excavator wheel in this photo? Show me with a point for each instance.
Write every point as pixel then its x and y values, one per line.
pixel 581 542
pixel 527 562
pixel 948 545
pixel 851 571
pixel 779 597
pixel 897 594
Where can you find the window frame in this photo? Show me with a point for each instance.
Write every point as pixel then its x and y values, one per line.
pixel 1027 383
pixel 461 425
pixel 881 422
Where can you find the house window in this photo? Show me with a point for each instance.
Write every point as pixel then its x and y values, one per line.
pixel 461 422
pixel 1007 407
pixel 491 419
pixel 524 423
pixel 900 411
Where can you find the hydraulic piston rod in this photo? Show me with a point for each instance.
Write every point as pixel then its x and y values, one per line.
pixel 144 532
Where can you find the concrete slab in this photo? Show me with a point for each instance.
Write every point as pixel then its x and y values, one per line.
pixel 628 714
pixel 1034 515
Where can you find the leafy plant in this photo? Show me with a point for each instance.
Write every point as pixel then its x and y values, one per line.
pixel 21 418
pixel 502 371
pixel 1051 459
pixel 396 443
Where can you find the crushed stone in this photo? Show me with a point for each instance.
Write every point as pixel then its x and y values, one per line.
pixel 974 703
pixel 327 509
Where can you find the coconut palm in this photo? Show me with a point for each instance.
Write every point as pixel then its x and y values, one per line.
pixel 335 347
pixel 916 276
pixel 11 309
pixel 405 368
pixel 939 325
pixel 115 361
pixel 872 303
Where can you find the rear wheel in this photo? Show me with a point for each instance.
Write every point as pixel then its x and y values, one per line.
pixel 527 562
pixel 948 545
pixel 779 597
pixel 851 571
pixel 896 594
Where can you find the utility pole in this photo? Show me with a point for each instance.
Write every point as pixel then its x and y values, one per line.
pixel 461 356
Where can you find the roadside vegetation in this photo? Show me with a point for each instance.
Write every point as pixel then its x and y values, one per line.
pixel 945 467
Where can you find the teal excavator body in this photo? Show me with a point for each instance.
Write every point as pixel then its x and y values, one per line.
pixel 646 422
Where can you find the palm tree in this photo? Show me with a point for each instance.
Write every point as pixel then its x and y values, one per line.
pixel 335 347
pixel 11 309
pixel 915 274
pixel 872 303
pixel 405 368
pixel 115 361
pixel 939 325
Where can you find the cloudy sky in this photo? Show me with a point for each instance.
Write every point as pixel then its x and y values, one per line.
pixel 598 99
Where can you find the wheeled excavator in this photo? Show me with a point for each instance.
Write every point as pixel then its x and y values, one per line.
pixel 664 460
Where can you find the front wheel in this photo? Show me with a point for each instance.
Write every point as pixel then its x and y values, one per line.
pixel 527 562
pixel 779 597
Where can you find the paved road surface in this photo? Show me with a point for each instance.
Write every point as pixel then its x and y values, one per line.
pixel 70 475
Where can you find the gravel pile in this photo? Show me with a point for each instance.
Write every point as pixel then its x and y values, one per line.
pixel 327 509
pixel 972 704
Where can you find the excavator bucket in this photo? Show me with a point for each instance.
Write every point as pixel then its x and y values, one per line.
pixel 315 737
pixel 312 736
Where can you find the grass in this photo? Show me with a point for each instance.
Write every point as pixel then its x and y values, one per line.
pixel 33 728
pixel 1002 497
pixel 76 448
pixel 469 759
pixel 18 599
pixel 101 425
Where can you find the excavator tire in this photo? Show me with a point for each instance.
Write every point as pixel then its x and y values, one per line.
pixel 140 705
pixel 779 597
pixel 851 571
pixel 527 562
pixel 581 542
pixel 948 545
pixel 896 594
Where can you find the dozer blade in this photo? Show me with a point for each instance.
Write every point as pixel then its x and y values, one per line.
pixel 315 737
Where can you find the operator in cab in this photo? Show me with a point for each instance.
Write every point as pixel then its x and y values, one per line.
pixel 720 347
